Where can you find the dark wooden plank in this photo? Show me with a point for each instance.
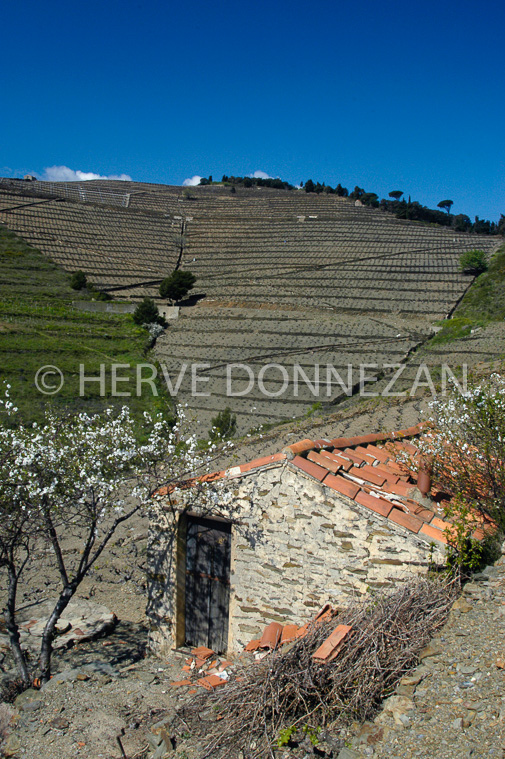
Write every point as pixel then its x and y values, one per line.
pixel 208 548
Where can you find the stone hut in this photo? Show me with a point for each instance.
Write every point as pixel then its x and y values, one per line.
pixel 322 521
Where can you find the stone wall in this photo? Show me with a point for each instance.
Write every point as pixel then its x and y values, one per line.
pixel 295 545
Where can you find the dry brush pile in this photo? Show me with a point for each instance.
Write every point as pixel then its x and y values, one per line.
pixel 289 688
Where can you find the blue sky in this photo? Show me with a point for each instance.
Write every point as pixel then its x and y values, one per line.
pixel 386 95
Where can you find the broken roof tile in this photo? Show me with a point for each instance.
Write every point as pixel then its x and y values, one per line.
pixel 324 612
pixel 253 645
pixel 289 633
pixel 211 681
pixel 332 644
pixel 341 485
pixel 271 635
pixel 180 683
pixel 202 652
pixel 310 468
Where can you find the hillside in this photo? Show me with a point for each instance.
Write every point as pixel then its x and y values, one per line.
pixel 40 327
pixel 283 277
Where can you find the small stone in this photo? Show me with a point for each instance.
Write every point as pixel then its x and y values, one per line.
pixel 27 697
pixel 465 669
pixel 472 588
pixel 432 649
pixel 462 605
pixel 82 676
pixel 457 724
pixel 59 723
pixel 399 704
pixel 12 746
pixel 468 718
pixel 411 680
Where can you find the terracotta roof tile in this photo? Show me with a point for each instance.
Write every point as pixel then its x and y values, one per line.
pixel 324 461
pixel 310 468
pixel 211 681
pixel 341 485
pixel 202 652
pixel 302 632
pixel 333 643
pixel 301 446
pixel 479 534
pixel 394 466
pixel 289 633
pixel 389 474
pixel 433 532
pixel 322 443
pixel 375 437
pixel 253 645
pixel 369 474
pixel 325 612
pixel 379 453
pixel 180 683
pixel 398 488
pixel 352 456
pixel 379 505
pixel 264 461
pixel 412 507
pixel 344 463
pixel 440 523
pixel 341 442
pixel 271 635
pixel 409 448
pixel 366 454
pixel 412 523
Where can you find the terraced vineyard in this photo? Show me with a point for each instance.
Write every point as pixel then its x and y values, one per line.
pixel 283 277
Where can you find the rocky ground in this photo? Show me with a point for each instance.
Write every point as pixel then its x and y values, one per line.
pixel 453 706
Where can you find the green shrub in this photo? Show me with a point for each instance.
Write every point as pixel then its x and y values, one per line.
pixel 224 425
pixel 78 280
pixel 177 285
pixel 473 262
pixel 146 312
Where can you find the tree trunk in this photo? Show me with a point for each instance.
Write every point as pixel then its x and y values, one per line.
pixel 13 630
pixel 46 647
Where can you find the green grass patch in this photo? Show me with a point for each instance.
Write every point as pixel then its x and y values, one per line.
pixel 40 327
pixel 454 329
pixel 485 300
pixel 483 303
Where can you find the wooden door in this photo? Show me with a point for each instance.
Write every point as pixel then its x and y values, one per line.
pixel 207 583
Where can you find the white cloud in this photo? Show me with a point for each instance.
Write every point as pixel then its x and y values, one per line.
pixel 64 174
pixel 191 181
pixel 260 175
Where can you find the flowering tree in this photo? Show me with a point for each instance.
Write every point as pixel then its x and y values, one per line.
pixel 81 477
pixel 466 446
